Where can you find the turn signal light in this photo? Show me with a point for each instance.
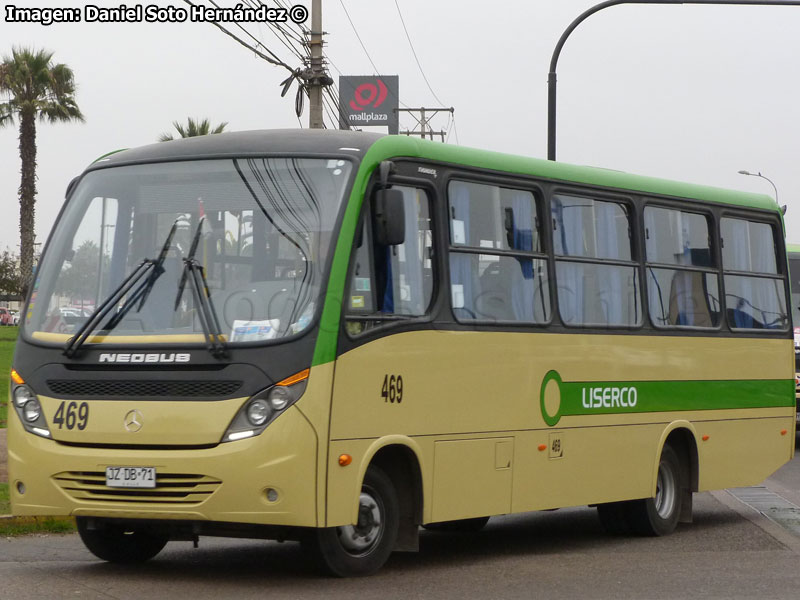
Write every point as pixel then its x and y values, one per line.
pixel 296 378
pixel 705 438
pixel 784 432
pixel 345 459
pixel 542 447
pixel 16 377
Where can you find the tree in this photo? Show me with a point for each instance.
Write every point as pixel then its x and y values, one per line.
pixel 193 129
pixel 33 86
pixel 9 273
pixel 78 278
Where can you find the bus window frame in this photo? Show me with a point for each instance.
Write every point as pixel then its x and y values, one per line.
pixel 407 321
pixel 636 236
pixel 712 219
pixel 781 266
pixel 511 182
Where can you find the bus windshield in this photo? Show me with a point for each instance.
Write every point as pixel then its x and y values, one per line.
pixel 259 229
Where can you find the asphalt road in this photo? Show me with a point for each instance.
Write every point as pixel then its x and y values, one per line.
pixel 730 551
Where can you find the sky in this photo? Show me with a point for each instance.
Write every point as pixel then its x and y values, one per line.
pixel 691 93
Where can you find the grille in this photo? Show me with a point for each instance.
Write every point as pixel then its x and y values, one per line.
pixel 170 488
pixel 132 388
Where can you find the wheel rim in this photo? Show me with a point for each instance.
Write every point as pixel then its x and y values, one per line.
pixel 666 491
pixel 361 538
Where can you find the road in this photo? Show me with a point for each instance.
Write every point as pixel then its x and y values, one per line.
pixel 730 551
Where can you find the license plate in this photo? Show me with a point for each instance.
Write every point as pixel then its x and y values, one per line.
pixel 131 477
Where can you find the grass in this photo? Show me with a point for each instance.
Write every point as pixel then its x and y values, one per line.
pixel 27 525
pixel 8 339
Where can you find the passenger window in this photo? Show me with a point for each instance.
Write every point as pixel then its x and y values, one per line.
pixel 682 281
pixel 391 283
pixel 598 283
pixel 497 268
pixel 755 295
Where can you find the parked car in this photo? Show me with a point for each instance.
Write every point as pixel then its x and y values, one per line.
pixel 6 317
pixel 15 317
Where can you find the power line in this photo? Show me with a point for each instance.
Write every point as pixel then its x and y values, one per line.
pixel 414 52
pixel 274 61
pixel 377 72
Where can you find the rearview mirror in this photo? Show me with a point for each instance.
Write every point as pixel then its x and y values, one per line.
pixel 390 218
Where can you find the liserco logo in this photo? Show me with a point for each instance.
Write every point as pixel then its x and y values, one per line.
pixel 367 93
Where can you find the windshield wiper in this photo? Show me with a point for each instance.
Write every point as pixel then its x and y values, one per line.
pixel 195 274
pixel 155 267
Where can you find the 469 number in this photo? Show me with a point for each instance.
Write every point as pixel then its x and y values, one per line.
pixel 392 390
pixel 72 415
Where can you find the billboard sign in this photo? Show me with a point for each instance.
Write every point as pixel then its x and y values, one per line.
pixel 369 100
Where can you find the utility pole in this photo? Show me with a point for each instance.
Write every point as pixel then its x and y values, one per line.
pixel 319 77
pixel 424 120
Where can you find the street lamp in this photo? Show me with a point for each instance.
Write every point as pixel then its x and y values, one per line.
pixel 774 187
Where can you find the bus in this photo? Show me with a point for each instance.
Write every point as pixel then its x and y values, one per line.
pixel 793 251
pixel 340 337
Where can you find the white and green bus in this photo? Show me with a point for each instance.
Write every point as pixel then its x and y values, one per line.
pixel 339 337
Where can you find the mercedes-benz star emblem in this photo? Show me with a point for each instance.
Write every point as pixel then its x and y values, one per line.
pixel 133 421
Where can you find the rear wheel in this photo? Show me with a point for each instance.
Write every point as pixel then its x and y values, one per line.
pixel 363 548
pixel 118 543
pixel 659 515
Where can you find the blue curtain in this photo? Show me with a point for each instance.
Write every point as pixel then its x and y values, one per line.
pixel 522 280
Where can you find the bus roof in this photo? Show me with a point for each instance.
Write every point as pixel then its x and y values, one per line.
pixel 374 148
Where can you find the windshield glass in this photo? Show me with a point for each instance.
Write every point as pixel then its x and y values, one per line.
pixel 263 244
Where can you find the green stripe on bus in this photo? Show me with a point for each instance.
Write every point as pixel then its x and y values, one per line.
pixel 561 398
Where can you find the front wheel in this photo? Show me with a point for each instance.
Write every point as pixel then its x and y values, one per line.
pixel 363 548
pixel 117 543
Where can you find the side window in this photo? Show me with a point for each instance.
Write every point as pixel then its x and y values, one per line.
pixel 682 280
pixel 498 271
pixel 391 283
pixel 755 296
pixel 598 282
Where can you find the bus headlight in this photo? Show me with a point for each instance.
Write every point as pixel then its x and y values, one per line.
pixel 22 394
pixel 264 407
pixel 258 412
pixel 32 410
pixel 28 408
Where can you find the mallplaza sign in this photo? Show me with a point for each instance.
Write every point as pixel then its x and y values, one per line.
pixel 369 100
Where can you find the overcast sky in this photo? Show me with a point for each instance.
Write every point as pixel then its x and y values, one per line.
pixel 683 92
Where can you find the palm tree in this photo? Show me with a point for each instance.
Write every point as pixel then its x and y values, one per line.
pixel 192 129
pixel 33 86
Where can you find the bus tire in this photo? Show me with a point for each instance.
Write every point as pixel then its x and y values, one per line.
pixel 119 544
pixel 363 548
pixel 659 515
pixel 464 525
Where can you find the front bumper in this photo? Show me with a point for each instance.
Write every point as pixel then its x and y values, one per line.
pixel 226 483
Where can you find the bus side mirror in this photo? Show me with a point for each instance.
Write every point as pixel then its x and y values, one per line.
pixel 390 218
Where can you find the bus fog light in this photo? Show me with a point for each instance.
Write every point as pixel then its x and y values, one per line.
pixel 258 412
pixel 279 398
pixel 22 395
pixel 272 495
pixel 21 488
pixel 32 410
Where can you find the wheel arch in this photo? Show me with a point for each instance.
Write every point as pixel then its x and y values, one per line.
pixel 682 436
pixel 399 458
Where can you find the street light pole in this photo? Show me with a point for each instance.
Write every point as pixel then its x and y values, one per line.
pixel 774 187
pixel 551 76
